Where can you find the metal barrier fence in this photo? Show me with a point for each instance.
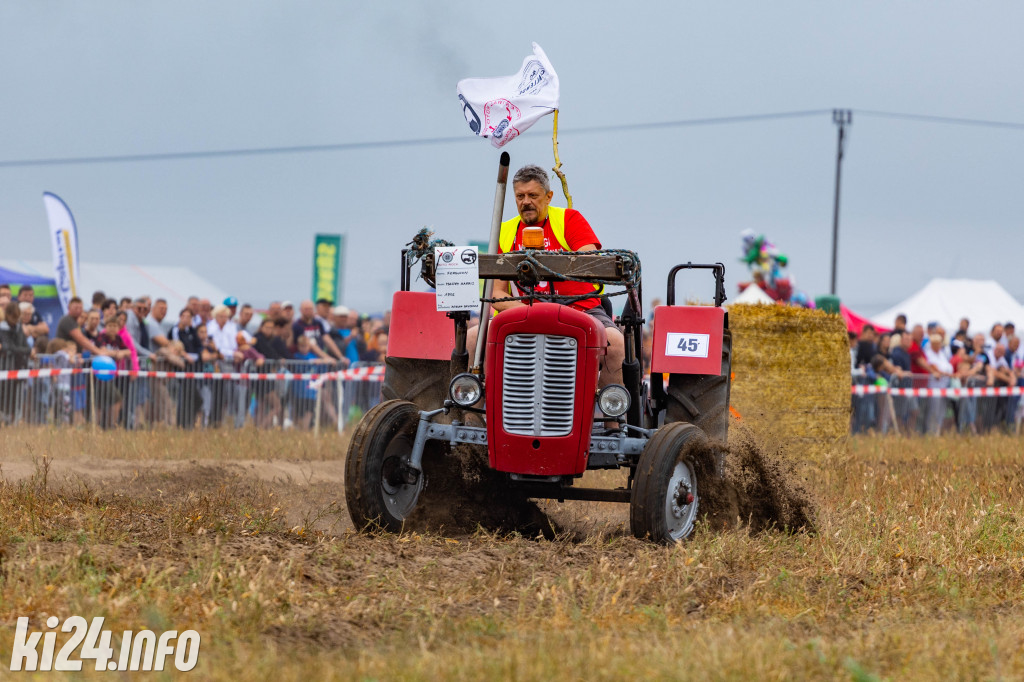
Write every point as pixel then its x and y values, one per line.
pixel 921 404
pixel 281 394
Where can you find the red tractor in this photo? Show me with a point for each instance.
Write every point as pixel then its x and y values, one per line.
pixel 529 404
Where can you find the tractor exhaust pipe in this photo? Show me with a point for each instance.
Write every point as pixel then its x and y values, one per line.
pixel 492 247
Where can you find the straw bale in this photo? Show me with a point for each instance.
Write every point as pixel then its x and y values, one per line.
pixel 791 371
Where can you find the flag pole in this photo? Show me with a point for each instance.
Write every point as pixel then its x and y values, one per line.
pixel 558 162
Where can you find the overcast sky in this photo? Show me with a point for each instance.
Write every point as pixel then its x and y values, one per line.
pixel 919 199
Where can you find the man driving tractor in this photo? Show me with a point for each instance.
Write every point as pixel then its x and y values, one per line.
pixel 565 229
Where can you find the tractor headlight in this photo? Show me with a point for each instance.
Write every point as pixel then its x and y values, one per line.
pixel 466 389
pixel 613 400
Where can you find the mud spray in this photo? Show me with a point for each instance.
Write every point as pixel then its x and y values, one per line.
pixel 756 486
pixel 462 494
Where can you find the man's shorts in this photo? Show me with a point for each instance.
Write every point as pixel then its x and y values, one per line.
pixel 601 315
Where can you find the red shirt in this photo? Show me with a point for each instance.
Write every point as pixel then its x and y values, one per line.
pixel 578 234
pixel 915 354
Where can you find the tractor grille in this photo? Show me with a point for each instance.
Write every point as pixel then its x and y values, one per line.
pixel 539 385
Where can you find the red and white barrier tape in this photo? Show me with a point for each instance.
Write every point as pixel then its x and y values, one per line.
pixel 358 374
pixel 984 392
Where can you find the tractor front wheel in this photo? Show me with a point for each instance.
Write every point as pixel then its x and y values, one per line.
pixel 663 505
pixel 380 488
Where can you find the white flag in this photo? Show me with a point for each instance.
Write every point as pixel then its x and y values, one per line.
pixel 64 239
pixel 502 108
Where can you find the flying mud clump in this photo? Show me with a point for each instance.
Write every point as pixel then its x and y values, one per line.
pixel 757 486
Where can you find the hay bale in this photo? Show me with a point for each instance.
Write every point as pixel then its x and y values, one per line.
pixel 792 375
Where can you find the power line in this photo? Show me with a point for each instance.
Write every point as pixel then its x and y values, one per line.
pixel 220 153
pixel 426 141
pixel 941 119
pixel 697 122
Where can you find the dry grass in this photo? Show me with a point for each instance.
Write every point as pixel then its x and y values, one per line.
pixel 915 571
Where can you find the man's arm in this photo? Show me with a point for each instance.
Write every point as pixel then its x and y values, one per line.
pixel 332 347
pixel 502 289
pixel 36 329
pixel 85 344
pixel 318 350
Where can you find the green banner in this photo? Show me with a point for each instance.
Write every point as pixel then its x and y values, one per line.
pixel 327 255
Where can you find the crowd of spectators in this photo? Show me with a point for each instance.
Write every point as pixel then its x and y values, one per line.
pixel 931 357
pixel 141 333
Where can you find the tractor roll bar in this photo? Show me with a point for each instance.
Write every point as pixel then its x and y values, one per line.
pixel 581 265
pixel 719 272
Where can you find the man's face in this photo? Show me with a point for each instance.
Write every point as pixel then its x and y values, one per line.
pixel 274 310
pixel 997 332
pixel 1000 351
pixel 92 321
pixel 26 315
pixel 159 311
pixel 323 310
pixel 917 334
pixel 27 295
pixel 193 304
pixel 245 316
pixel 964 324
pixel 223 316
pixel 141 309
pixel 288 313
pixel 185 319
pixel 979 342
pixel 306 310
pixel 532 201
pixel 204 308
pixel 906 341
pixel 5 291
pixel 75 309
pixel 353 318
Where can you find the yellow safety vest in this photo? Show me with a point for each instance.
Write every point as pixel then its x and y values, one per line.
pixel 556 218
pixel 510 228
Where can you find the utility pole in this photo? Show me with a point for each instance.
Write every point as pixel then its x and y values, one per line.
pixel 842 118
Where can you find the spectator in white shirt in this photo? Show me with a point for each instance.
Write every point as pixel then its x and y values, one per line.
pixel 995 338
pixel 941 370
pixel 224 333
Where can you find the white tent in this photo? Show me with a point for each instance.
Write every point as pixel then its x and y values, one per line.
pixel 946 301
pixel 175 284
pixel 753 294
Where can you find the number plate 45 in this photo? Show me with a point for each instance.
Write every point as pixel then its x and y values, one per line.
pixel 687 339
pixel 687 345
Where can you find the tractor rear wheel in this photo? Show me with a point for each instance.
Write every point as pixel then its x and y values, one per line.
pixel 663 506
pixel 380 488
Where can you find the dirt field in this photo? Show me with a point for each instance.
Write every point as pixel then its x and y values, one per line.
pixel 913 567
